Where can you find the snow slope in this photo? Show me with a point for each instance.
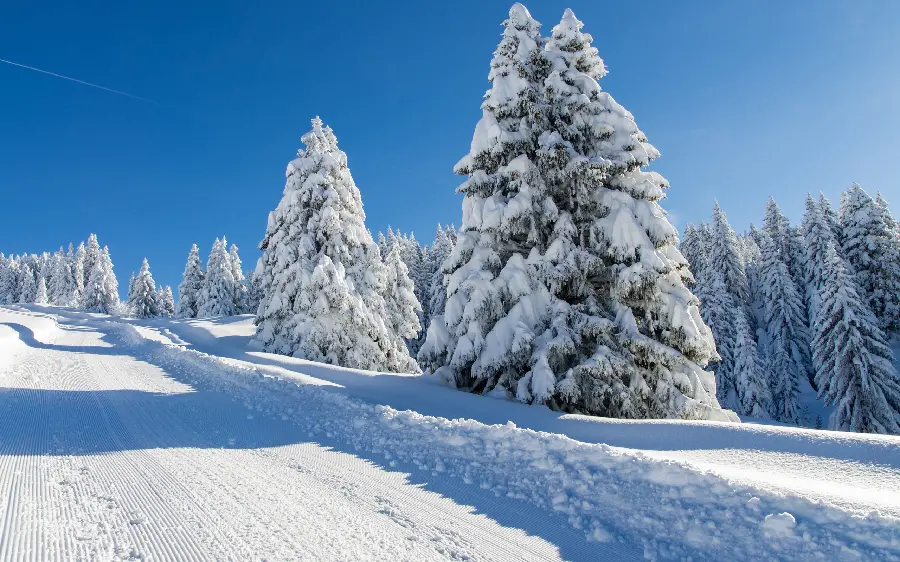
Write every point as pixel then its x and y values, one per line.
pixel 174 440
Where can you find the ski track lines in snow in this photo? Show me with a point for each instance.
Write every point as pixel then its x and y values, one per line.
pixel 119 461
pixel 182 455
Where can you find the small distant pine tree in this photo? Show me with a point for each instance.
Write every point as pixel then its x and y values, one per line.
pixel 217 293
pixel 27 285
pixel 144 300
pixel 102 291
pixel 725 253
pixel 41 293
pixel 401 304
pixel 240 289
pixel 190 286
pixel 166 301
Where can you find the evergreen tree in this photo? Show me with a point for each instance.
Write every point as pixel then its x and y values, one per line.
pixel 401 304
pixel 817 236
pixel 718 310
pixel 785 239
pixel 830 218
pixel 58 290
pixel 143 301
pixel 166 301
pixel 693 249
pixel 9 282
pixel 79 274
pixel 41 293
pixel 91 257
pixel 27 285
pixel 787 339
pixel 190 286
pixel 254 291
pixel 725 253
pixel 750 373
pixel 557 284
pixel 854 365
pixel 870 249
pixel 443 245
pixel 322 275
pixel 130 295
pixel 102 291
pixel 240 290
pixel 217 293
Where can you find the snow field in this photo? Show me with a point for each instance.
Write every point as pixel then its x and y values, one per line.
pixel 606 493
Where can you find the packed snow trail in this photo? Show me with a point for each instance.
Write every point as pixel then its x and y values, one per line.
pixel 120 441
pixel 103 456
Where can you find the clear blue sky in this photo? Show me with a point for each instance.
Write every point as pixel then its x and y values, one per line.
pixel 743 99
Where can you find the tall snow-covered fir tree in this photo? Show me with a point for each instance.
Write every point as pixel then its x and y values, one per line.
pixel 787 340
pixel 854 365
pixel 91 257
pixel 8 280
pixel 322 275
pixel 217 293
pixel 777 226
pixel 751 375
pixel 693 248
pixel 718 311
pixel 401 304
pixel 725 255
pixel 190 286
pixel 870 248
pixel 240 289
pixel 58 289
pixel 102 291
pixel 565 286
pixel 27 285
pixel 817 236
pixel 143 301
pixel 830 218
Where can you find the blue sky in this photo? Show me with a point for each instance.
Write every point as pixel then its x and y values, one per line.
pixel 743 100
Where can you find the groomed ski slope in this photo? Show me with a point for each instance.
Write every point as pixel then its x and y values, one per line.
pixel 175 440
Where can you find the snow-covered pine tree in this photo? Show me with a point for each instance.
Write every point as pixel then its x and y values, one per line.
pixel 830 218
pixel 750 372
pixel 777 226
pixel 190 286
pixel 102 291
pixel 9 282
pixel 91 257
pixel 693 249
pixel 402 306
pixel 143 301
pixel 254 291
pixel 130 294
pixel 40 296
pixel 79 274
pixel 166 301
pixel 817 235
pixel 870 249
pixel 718 309
pixel 27 285
pixel 240 289
pixel 564 247
pixel 787 347
pixel 725 254
pixel 322 275
pixel 882 205
pixel 217 293
pixel 854 365
pixel 57 291
pixel 4 276
pixel 443 245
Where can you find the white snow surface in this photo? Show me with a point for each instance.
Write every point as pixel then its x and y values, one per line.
pixel 175 440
